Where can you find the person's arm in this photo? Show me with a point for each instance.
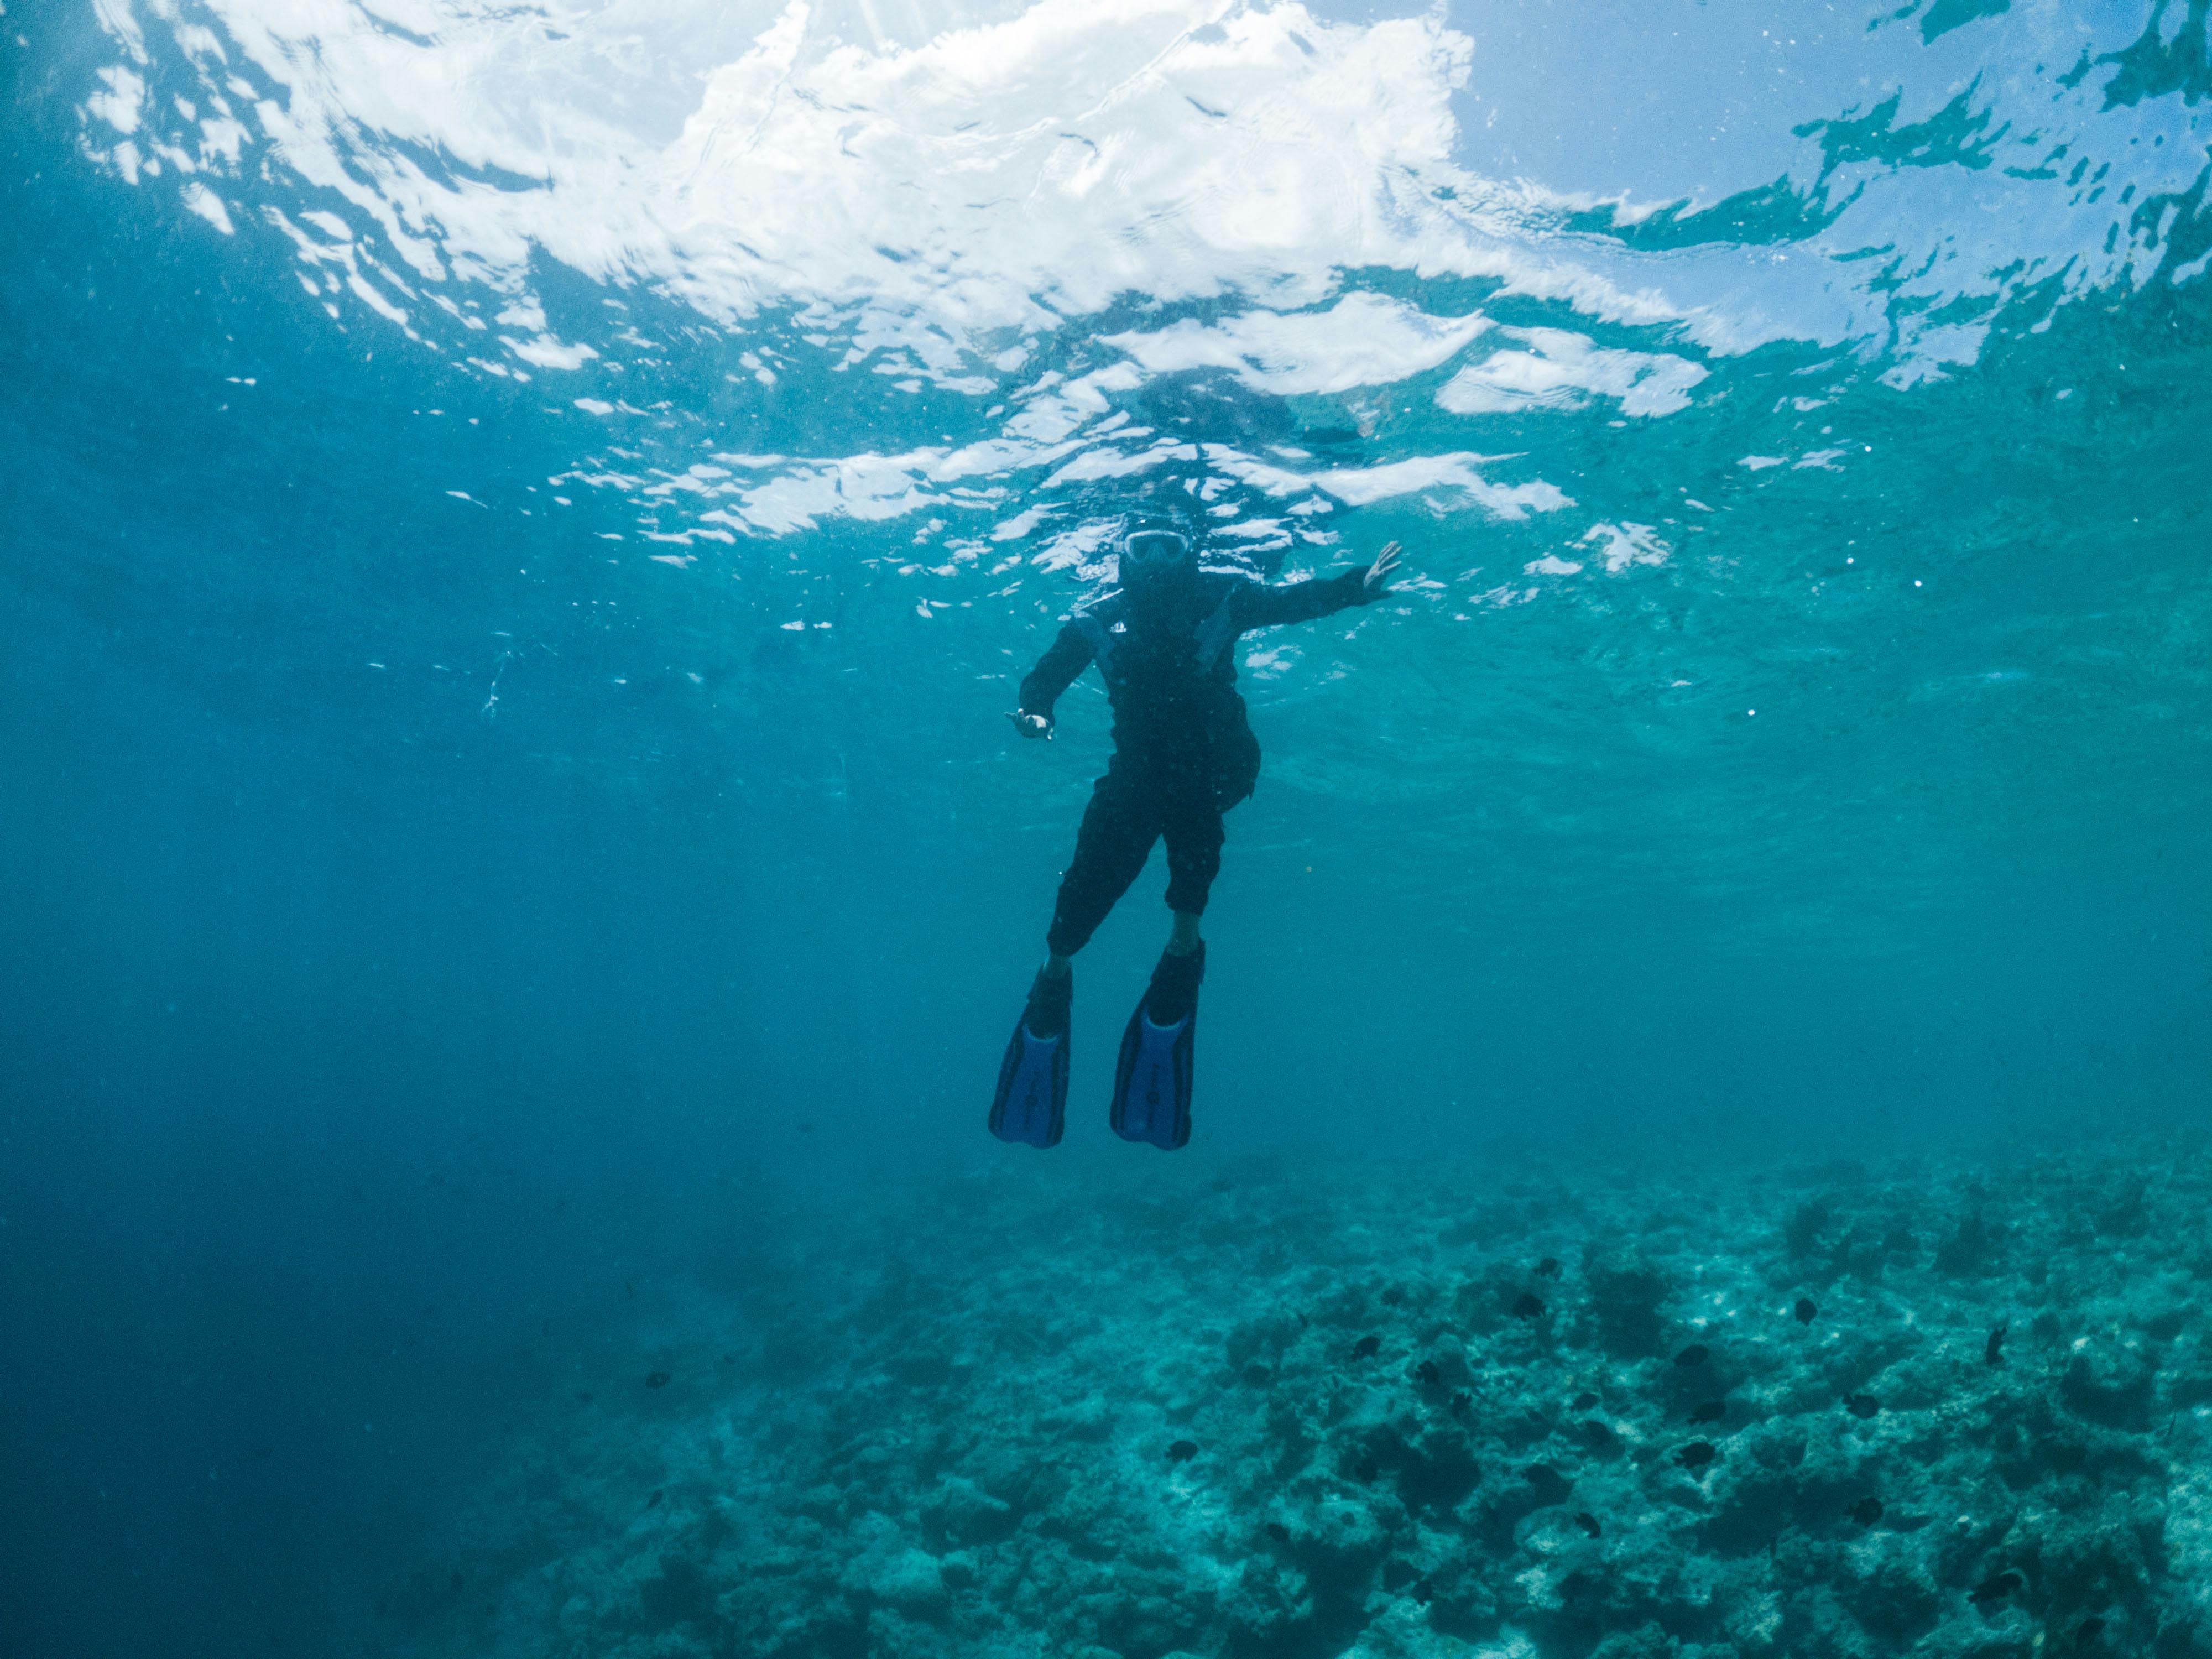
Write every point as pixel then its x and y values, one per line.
pixel 1070 653
pixel 1298 602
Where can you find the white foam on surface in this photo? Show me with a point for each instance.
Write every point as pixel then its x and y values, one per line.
pixel 1291 200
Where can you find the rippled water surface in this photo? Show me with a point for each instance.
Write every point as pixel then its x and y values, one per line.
pixel 522 522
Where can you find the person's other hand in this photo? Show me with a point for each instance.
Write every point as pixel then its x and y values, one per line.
pixel 1030 726
pixel 1377 582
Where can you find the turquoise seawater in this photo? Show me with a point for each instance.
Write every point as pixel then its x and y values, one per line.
pixel 522 524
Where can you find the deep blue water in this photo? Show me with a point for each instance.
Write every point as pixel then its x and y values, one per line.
pixel 441 925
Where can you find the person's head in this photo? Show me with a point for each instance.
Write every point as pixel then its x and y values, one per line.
pixel 1156 556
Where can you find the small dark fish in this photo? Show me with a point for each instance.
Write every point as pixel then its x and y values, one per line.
pixel 1367 1347
pixel 1424 1591
pixel 1461 1403
pixel 1996 1586
pixel 653 1502
pixel 1585 1400
pixel 1695 1354
pixel 630 1290
pixel 583 1399
pixel 1427 1375
pixel 456 1583
pixel 1712 1412
pixel 1258 1375
pixel 2089 1629
pixel 1993 1350
pixel 1808 1310
pixel 1862 1406
pixel 1531 1306
pixel 656 1379
pixel 1696 1455
pixel 1392 1297
pixel 1548 1268
pixel 1867 1511
pixel 1278 1532
pixel 1588 1523
pixel 1183 1451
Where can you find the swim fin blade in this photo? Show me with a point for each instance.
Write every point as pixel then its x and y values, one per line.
pixel 1031 1106
pixel 1153 1078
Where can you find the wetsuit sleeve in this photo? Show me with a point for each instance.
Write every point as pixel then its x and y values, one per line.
pixel 1297 602
pixel 1055 672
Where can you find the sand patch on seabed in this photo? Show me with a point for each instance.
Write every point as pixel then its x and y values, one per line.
pixel 1410 1412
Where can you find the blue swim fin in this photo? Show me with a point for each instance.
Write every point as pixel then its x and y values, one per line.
pixel 1153 1078
pixel 1031 1104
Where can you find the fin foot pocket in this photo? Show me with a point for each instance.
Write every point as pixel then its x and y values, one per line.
pixel 1030 1105
pixel 1152 1075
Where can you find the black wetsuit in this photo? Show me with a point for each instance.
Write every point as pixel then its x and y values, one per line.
pixel 1183 750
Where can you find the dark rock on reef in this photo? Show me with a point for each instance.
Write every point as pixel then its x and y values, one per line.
pixel 1997 1586
pixel 1801 1237
pixel 1528 1307
pixel 1585 1400
pixel 1972 1251
pixel 1623 1311
pixel 1867 1511
pixel 1547 1484
pixel 1548 1268
pixel 1695 1354
pixel 1183 1451
pixel 2112 1382
pixel 1432 1469
pixel 1711 1411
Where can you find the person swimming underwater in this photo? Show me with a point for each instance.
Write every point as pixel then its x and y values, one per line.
pixel 1164 642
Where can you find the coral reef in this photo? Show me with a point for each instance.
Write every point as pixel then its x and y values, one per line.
pixel 1941 1408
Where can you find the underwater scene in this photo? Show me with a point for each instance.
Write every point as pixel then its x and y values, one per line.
pixel 1105 828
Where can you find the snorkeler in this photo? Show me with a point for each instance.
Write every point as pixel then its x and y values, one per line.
pixel 1183 754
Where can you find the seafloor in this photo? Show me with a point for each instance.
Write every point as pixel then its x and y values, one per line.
pixel 1938 1406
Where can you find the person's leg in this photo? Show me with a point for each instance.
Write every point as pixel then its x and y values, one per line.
pixel 1119 828
pixel 1192 825
pixel 1192 829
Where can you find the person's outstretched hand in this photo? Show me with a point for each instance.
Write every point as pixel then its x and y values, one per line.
pixel 1030 726
pixel 1377 582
